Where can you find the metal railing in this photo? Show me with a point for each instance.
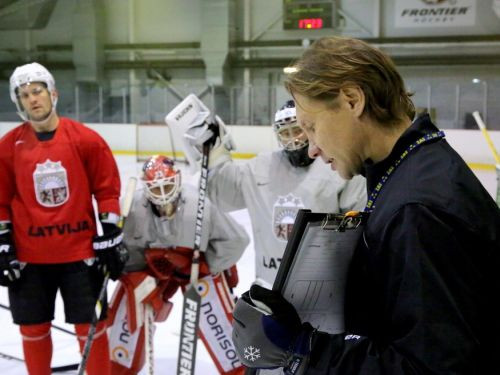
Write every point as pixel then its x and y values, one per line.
pixel 450 103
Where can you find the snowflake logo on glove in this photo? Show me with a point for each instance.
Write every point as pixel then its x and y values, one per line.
pixel 251 353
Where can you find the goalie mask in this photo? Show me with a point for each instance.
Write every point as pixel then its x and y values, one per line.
pixel 26 75
pixel 162 182
pixel 290 136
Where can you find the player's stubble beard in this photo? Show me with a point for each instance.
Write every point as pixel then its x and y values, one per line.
pixel 42 122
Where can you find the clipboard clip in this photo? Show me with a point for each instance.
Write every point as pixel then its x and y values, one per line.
pixel 341 222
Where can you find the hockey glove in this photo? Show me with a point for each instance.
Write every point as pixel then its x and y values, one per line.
pixel 110 252
pixel 10 269
pixel 209 130
pixel 268 333
pixel 218 134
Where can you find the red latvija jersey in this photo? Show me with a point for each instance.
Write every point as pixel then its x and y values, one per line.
pixel 46 190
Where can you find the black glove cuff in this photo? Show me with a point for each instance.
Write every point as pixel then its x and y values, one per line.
pixel 6 239
pixel 307 332
pixel 321 343
pixel 109 228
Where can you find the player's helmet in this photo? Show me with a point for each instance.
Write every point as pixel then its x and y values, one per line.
pixel 25 75
pixel 291 136
pixel 162 180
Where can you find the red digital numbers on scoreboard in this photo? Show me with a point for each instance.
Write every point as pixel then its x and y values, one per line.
pixel 311 23
pixel 308 14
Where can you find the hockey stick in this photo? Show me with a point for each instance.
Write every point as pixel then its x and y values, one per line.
pixel 93 325
pixel 192 299
pixel 64 368
pixel 53 326
pixel 172 144
pixel 11 357
pixel 486 135
pixel 127 204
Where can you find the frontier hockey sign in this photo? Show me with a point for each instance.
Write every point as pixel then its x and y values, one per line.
pixel 429 14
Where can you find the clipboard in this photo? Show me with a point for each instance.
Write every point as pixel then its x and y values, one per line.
pixel 313 271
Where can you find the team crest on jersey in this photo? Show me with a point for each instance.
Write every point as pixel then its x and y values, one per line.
pixel 284 212
pixel 51 183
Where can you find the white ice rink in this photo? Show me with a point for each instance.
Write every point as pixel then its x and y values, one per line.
pixel 167 333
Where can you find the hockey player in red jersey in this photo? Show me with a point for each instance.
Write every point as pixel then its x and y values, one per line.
pixel 159 234
pixel 50 168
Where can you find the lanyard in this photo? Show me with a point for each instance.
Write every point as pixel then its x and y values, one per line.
pixel 370 205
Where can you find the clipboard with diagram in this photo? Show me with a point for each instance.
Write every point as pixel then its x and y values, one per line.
pixel 313 271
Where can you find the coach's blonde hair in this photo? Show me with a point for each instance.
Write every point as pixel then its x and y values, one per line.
pixel 333 63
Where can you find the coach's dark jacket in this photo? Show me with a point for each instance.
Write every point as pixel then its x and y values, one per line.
pixel 424 284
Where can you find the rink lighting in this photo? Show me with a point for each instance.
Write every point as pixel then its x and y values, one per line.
pixel 289 69
pixel 476 80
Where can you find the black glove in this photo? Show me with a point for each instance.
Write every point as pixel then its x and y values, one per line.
pixel 111 254
pixel 10 269
pixel 268 333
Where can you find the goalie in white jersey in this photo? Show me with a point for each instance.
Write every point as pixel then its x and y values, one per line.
pixel 159 234
pixel 273 186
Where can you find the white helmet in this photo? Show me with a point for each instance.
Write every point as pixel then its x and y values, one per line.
pixel 288 132
pixel 290 135
pixel 26 74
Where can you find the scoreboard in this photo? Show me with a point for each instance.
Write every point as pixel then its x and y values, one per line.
pixel 308 14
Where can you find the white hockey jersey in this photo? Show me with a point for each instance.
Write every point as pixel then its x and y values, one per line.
pixel 273 191
pixel 223 240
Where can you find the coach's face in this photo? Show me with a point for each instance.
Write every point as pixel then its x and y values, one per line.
pixel 335 130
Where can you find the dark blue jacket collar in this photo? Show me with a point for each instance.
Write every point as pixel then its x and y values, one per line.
pixel 421 126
